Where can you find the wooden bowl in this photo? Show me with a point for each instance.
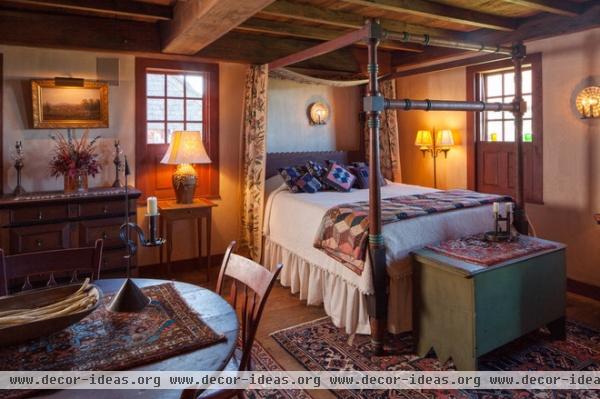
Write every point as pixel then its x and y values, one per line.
pixel 37 298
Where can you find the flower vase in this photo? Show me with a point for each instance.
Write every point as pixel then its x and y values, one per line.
pixel 76 183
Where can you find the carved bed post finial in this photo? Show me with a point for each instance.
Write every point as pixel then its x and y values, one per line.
pixel 519 107
pixel 374 105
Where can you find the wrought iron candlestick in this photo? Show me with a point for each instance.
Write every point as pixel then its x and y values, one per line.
pixel 130 298
pixel 18 156
pixel 501 233
pixel 118 165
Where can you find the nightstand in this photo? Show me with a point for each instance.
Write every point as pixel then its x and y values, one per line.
pixel 200 210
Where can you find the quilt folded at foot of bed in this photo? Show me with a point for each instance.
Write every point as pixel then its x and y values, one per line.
pixel 344 230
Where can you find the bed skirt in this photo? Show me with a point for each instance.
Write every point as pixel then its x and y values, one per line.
pixel 343 302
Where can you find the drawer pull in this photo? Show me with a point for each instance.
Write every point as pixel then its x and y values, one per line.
pixel 105 209
pixel 39 243
pixel 40 216
pixel 104 236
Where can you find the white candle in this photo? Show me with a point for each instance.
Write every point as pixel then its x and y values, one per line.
pixel 496 207
pixel 152 206
pixel 508 207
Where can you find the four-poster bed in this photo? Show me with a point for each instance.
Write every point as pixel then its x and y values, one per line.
pixel 374 104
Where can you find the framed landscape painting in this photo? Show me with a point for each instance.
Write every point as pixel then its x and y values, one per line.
pixel 62 107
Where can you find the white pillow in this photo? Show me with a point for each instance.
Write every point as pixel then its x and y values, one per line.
pixel 273 183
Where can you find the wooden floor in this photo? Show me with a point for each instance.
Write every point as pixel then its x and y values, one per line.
pixel 285 310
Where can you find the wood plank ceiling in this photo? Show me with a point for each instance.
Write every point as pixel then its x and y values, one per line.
pixel 259 31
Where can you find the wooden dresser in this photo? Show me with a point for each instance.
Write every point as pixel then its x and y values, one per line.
pixel 54 220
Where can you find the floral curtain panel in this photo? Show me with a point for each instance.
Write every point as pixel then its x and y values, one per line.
pixel 389 153
pixel 254 159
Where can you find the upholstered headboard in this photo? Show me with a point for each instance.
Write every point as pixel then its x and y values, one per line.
pixel 276 160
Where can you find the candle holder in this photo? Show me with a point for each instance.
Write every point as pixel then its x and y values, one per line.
pixel 19 164
pixel 118 164
pixel 130 297
pixel 501 233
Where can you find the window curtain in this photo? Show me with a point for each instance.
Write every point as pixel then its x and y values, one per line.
pixel 254 159
pixel 389 153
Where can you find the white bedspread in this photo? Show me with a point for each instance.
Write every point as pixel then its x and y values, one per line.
pixel 292 222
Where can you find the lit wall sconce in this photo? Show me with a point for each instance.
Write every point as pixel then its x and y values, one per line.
pixel 588 102
pixel 443 141
pixel 318 113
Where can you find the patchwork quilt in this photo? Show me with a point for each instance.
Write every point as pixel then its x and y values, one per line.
pixel 344 230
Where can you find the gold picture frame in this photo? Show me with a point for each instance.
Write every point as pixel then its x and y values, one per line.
pixel 82 105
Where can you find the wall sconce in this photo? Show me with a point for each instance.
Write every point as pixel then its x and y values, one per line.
pixel 318 113
pixel 443 141
pixel 588 102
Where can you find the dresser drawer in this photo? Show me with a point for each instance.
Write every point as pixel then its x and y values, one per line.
pixel 39 238
pixel 107 229
pixel 98 209
pixel 38 214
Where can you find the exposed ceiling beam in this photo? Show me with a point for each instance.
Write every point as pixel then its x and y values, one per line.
pixel 310 32
pixel 441 12
pixel 321 15
pixel 534 28
pixel 240 47
pixel 78 32
pixel 560 7
pixel 113 7
pixel 198 23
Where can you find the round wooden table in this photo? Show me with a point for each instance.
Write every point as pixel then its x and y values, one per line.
pixel 216 313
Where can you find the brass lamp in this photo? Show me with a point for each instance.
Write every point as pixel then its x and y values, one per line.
pixel 588 102
pixel 186 149
pixel 443 141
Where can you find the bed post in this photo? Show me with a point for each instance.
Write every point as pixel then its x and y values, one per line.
pixel 374 105
pixel 521 221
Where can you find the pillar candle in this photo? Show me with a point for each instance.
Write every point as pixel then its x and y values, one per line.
pixel 152 206
pixel 496 207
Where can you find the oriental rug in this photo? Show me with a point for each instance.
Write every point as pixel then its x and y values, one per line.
pixel 476 249
pixel 319 345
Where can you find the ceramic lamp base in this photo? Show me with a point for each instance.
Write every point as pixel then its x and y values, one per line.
pixel 184 183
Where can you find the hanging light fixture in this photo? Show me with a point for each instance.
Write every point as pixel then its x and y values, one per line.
pixel 588 102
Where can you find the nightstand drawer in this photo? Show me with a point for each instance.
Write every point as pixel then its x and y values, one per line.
pixel 40 214
pixel 99 209
pixel 184 213
pixel 39 238
pixel 106 229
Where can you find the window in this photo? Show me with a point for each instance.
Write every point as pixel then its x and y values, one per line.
pixel 173 96
pixel 491 149
pixel 500 87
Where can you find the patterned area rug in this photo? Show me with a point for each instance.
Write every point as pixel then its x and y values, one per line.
pixel 319 345
pixel 262 361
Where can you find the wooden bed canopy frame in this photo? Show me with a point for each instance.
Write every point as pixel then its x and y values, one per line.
pixel 374 104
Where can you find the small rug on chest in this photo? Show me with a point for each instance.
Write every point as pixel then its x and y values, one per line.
pixel 115 341
pixel 319 345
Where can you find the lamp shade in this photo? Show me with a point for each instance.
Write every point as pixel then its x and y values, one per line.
pixel 444 138
pixel 424 139
pixel 186 148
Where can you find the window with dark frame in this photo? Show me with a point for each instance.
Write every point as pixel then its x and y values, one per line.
pixel 171 96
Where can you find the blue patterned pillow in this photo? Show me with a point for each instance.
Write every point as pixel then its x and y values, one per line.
pixel 308 183
pixel 339 177
pixel 318 170
pixel 291 175
pixel 361 170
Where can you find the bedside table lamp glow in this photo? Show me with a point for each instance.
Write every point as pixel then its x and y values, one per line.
pixel 186 149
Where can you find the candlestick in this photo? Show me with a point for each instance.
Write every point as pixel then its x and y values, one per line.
pixel 152 206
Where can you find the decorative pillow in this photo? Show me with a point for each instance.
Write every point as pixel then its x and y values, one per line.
pixel 339 177
pixel 308 183
pixel 361 170
pixel 291 174
pixel 318 170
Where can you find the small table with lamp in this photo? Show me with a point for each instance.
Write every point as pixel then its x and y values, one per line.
pixel 185 150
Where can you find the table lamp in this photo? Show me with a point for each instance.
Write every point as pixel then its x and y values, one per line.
pixel 186 149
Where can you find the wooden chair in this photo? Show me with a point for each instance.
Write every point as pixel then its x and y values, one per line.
pixel 250 288
pixel 62 261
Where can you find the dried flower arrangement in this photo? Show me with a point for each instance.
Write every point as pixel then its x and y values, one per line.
pixel 74 157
